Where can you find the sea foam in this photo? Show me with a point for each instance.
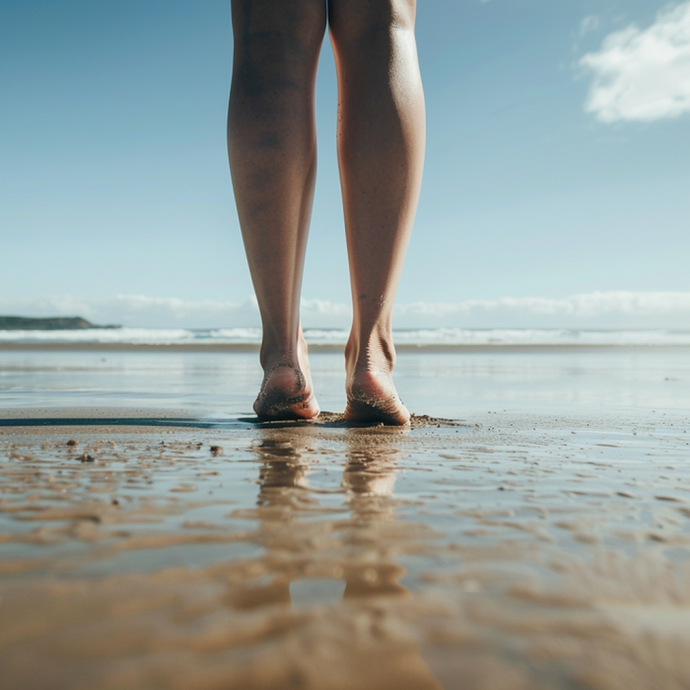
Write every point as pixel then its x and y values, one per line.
pixel 410 337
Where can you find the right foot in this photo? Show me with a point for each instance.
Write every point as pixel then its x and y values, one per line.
pixel 371 397
pixel 371 393
pixel 286 391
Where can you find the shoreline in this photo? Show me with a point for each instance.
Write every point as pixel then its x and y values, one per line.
pixel 324 347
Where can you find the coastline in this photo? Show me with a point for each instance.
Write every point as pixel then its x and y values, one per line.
pixel 333 347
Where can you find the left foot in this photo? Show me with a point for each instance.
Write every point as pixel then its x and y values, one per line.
pixel 286 391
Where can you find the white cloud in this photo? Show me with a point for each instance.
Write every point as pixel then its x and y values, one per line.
pixel 643 75
pixel 139 310
pixel 589 23
pixel 670 310
pixel 324 307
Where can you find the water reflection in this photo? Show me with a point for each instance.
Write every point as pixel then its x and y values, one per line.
pixel 283 466
pixel 370 470
pixel 346 559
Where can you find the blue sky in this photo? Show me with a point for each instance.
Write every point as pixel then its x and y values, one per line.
pixel 557 171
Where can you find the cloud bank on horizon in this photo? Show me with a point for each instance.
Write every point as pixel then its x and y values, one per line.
pixel 615 310
pixel 642 75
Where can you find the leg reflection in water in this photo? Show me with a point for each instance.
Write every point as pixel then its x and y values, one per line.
pixel 330 556
pixel 283 467
pixel 369 479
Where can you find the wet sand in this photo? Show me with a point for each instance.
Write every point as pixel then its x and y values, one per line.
pixel 513 550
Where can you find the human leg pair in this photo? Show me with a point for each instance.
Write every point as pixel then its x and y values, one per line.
pixel 272 147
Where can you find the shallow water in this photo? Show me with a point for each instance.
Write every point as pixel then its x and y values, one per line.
pixel 543 543
pixel 453 384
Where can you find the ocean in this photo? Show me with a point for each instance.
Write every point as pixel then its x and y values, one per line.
pixel 408 337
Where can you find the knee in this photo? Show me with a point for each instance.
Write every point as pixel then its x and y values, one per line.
pixel 272 38
pixel 362 22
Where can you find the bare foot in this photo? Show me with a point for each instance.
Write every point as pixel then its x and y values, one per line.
pixel 371 397
pixel 286 391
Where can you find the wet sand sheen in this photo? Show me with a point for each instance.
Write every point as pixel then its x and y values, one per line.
pixel 75 417
pixel 524 552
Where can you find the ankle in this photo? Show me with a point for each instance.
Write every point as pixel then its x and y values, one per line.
pixel 270 358
pixel 277 352
pixel 373 351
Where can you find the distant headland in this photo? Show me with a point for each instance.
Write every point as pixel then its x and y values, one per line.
pixel 58 323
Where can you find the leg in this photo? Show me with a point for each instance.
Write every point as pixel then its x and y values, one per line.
pixel 272 150
pixel 381 130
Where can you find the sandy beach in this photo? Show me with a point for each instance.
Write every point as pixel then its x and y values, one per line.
pixel 210 211
pixel 532 532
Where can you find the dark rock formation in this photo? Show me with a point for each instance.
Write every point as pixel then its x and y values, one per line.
pixel 59 323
